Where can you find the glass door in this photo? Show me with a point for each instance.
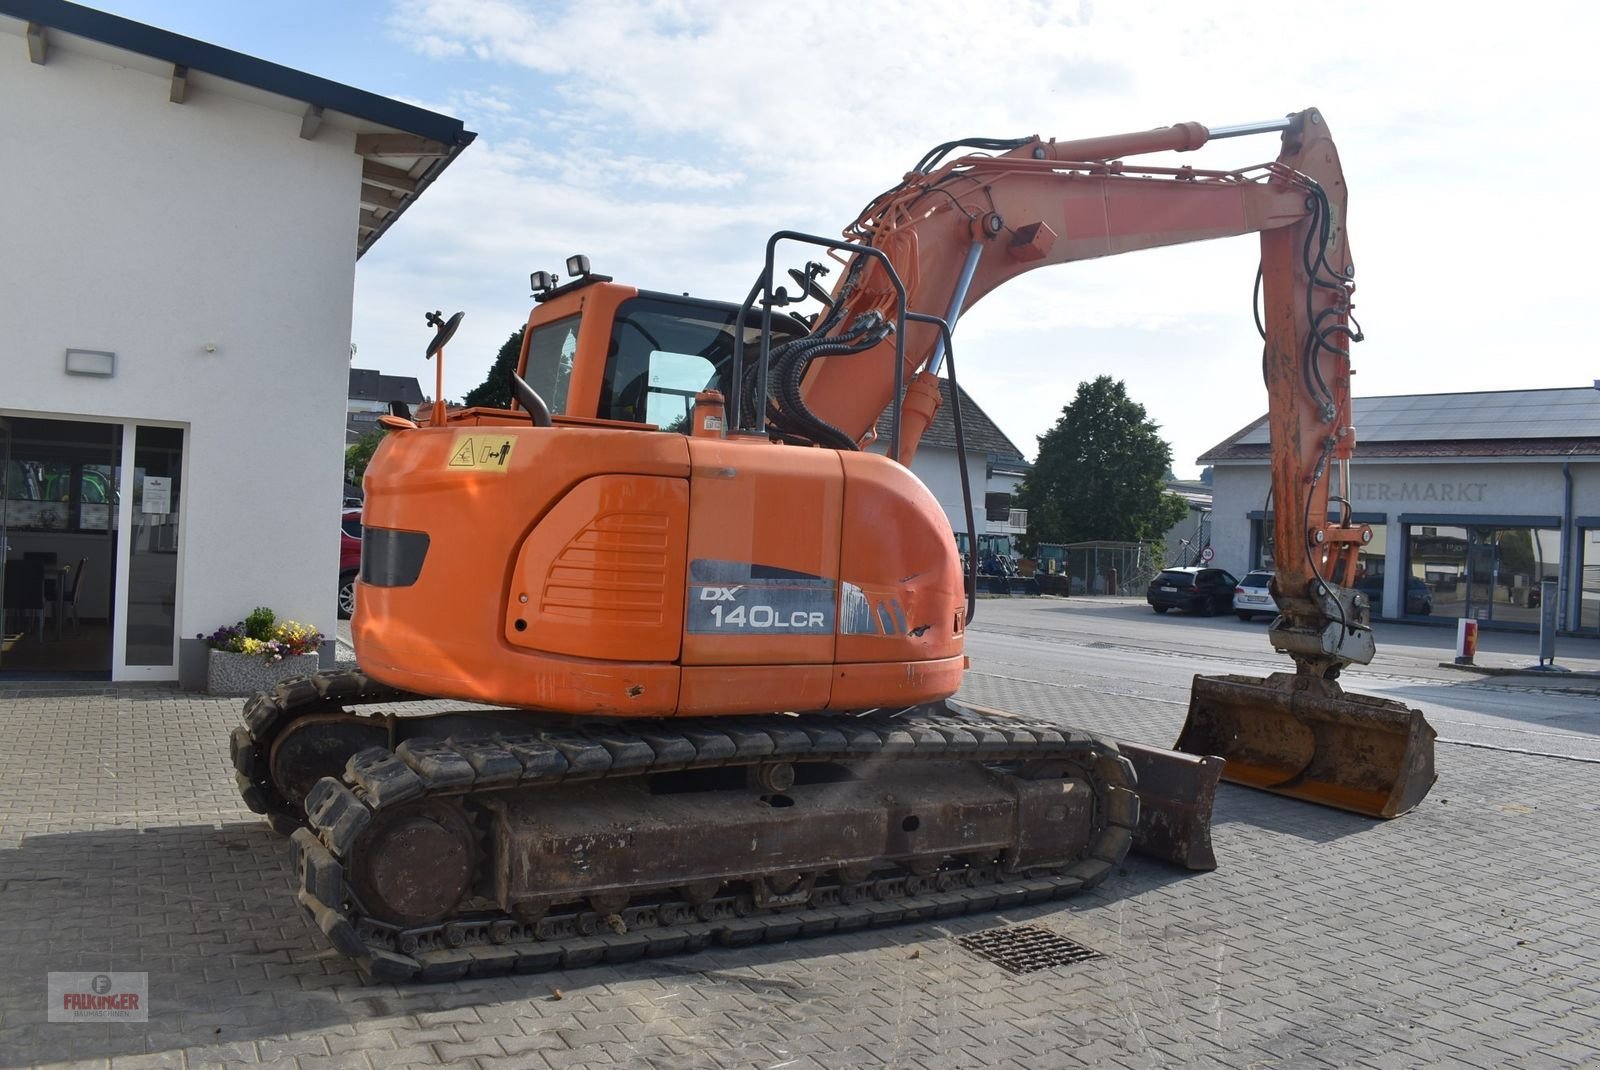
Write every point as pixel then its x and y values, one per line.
pixel 150 638
pixel 5 549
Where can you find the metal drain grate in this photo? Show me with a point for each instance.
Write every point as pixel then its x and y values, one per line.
pixel 1025 948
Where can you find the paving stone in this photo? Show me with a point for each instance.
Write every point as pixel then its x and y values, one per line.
pixel 1322 940
pixel 166 1060
pixel 352 1060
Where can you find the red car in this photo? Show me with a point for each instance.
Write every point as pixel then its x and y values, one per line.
pixel 349 561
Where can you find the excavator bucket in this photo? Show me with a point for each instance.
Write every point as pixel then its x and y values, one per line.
pixel 1303 737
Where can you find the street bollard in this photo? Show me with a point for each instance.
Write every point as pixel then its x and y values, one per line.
pixel 1466 640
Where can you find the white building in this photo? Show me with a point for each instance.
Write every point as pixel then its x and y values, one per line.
pixel 372 394
pixel 182 226
pixel 1474 500
pixel 995 467
pixel 1187 540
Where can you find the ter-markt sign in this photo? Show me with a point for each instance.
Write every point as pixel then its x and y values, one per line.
pixel 1418 490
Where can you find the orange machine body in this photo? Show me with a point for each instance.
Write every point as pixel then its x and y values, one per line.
pixel 631 572
pixel 609 565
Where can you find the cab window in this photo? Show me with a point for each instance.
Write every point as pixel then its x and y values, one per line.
pixel 664 351
pixel 551 350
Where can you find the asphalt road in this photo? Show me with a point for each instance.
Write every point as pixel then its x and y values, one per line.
pixel 1118 647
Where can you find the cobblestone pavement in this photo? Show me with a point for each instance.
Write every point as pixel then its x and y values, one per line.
pixel 1460 935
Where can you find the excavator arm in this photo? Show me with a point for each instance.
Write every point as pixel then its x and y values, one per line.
pixel 956 231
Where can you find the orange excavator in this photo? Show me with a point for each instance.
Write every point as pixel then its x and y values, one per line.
pixel 702 642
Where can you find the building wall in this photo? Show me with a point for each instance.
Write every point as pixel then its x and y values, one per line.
pixel 1184 541
pixel 939 471
pixel 1483 488
pixel 154 230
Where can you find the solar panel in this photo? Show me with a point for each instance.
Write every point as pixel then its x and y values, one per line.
pixel 1497 414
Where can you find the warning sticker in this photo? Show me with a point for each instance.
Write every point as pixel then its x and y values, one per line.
pixel 482 452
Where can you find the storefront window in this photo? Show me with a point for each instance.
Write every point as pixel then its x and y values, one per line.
pixel 1373 555
pixel 1261 544
pixel 1589 599
pixel 1490 574
pixel 1438 558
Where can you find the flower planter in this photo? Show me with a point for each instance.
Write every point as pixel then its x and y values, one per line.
pixel 245 674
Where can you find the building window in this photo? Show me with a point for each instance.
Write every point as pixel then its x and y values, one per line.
pixel 1491 574
pixel 1589 592
pixel 1261 545
pixel 1369 572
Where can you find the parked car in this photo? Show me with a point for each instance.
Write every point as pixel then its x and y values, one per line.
pixel 1419 597
pixel 349 561
pixel 1200 590
pixel 1252 599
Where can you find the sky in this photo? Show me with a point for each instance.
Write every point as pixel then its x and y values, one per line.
pixel 666 139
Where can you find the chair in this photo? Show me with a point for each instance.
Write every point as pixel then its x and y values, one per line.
pixel 25 590
pixel 72 592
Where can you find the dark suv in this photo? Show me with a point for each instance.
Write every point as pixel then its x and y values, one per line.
pixel 1419 598
pixel 1201 590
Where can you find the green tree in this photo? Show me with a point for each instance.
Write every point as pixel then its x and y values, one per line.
pixel 358 455
pixel 1101 473
pixel 495 390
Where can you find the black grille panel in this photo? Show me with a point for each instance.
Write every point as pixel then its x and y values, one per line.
pixel 1025 948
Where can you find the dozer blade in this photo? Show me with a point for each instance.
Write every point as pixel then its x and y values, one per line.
pixel 1303 737
pixel 1176 792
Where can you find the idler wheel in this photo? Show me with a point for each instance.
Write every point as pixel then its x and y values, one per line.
pixel 416 863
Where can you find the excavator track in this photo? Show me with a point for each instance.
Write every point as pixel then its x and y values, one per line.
pixel 418 861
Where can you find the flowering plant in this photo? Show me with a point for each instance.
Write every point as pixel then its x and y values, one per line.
pixel 262 635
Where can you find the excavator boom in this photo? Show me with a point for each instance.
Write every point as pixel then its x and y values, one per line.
pixel 955 232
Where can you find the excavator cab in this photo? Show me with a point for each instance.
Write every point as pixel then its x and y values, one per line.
pixel 597 350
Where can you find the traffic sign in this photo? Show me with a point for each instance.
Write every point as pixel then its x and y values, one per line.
pixel 1206 555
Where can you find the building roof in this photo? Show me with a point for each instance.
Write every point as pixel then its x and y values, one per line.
pixel 369 384
pixel 403 147
pixel 981 433
pixel 1192 491
pixel 1519 423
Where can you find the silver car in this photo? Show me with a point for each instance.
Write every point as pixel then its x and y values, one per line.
pixel 1251 599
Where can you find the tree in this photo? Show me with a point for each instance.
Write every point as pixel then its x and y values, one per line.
pixel 1101 473
pixel 359 453
pixel 495 390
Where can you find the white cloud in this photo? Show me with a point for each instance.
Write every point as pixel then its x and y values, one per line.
pixel 667 139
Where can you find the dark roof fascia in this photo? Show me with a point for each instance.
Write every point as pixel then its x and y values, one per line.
pixel 238 67
pixel 1485 520
pixel 1333 515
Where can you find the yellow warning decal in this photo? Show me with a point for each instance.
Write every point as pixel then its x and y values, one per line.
pixel 482 452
